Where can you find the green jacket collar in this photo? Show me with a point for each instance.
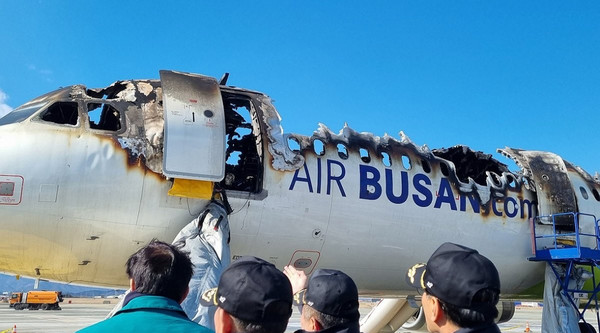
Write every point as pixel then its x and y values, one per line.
pixel 151 302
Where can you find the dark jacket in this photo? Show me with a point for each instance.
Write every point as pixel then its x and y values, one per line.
pixel 493 328
pixel 148 313
pixel 345 328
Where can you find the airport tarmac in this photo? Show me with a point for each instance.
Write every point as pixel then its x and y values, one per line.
pixel 75 316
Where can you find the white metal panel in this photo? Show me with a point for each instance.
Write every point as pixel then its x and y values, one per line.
pixel 194 145
pixel 11 189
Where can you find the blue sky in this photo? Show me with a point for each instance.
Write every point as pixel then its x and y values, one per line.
pixel 487 74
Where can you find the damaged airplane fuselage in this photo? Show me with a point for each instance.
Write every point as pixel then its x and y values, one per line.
pixel 84 182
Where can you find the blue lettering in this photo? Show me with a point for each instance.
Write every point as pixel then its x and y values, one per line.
pixel 318 175
pixel 366 181
pixel 337 179
pixel 495 209
pixel 423 190
pixel 445 195
pixel 474 203
pixel 529 204
pixel 515 207
pixel 298 178
pixel 389 187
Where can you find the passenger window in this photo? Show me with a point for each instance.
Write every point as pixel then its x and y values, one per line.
pixel 364 155
pixel 319 147
pixel 387 160
pixel 104 116
pixel 64 113
pixel 342 151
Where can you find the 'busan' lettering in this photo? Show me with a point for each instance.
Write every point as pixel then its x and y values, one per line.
pixel 397 189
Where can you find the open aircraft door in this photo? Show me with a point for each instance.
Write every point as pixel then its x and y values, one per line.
pixel 194 146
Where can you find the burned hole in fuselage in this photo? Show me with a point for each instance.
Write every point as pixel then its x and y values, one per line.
pixel 65 113
pixel 104 116
pixel 105 111
pixel 386 159
pixel 512 182
pixel 318 147
pixel 469 163
pixel 364 155
pixel 243 163
pixel 495 179
pixel 293 144
pixel 109 92
pixel 444 168
pixel 426 166
pixel 406 163
pixel 525 182
pixel 342 151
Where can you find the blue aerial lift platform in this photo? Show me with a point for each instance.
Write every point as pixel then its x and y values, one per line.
pixel 571 248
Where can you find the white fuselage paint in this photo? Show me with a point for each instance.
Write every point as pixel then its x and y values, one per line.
pixel 82 210
pixel 77 187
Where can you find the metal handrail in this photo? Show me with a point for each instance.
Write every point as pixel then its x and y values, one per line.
pixel 577 233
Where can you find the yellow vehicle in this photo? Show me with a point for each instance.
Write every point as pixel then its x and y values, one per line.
pixel 35 300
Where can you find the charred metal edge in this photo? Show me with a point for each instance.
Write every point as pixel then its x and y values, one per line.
pixel 285 159
pixel 140 102
pixel 142 139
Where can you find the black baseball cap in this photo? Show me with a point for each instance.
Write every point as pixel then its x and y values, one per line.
pixel 331 292
pixel 252 290
pixel 454 274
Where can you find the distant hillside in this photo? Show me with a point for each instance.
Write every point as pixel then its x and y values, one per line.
pixel 9 283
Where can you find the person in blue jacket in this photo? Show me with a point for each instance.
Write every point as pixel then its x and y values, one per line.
pixel 159 274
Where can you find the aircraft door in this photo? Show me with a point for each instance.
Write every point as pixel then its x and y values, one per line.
pixel 194 146
pixel 555 193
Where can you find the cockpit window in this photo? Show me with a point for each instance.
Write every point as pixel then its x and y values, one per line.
pixel 104 116
pixel 20 114
pixel 61 113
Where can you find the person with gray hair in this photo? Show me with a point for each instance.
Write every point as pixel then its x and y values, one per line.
pixel 460 289
pixel 328 301
pixel 253 296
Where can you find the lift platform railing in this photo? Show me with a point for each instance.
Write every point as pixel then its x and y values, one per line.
pixel 571 249
pixel 568 245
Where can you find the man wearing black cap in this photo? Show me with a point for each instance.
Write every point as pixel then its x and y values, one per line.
pixel 460 290
pixel 328 303
pixel 253 296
